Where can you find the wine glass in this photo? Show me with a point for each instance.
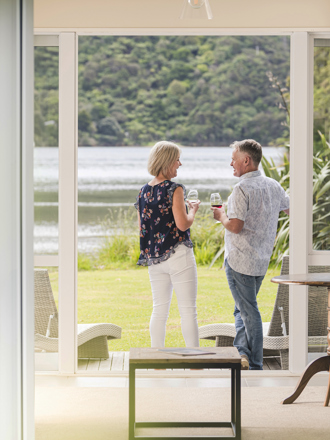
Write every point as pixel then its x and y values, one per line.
pixel 216 201
pixel 192 196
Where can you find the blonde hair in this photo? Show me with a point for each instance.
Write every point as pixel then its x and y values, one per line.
pixel 162 155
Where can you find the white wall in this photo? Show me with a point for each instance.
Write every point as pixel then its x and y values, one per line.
pixel 165 14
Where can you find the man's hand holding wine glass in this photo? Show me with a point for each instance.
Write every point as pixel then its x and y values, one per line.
pixel 217 206
pixel 218 213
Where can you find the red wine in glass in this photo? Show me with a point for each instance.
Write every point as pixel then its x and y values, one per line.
pixel 216 201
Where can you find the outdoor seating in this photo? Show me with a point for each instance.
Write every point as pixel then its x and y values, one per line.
pixel 92 338
pixel 276 339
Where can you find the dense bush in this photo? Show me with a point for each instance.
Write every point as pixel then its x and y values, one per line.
pixel 321 199
pixel 196 90
pixel 122 250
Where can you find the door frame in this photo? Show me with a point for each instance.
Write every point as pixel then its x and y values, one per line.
pixel 301 141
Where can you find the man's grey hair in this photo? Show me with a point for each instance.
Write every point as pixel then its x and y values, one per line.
pixel 251 147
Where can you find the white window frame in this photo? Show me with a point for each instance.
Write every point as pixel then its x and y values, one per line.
pixel 66 260
pixel 301 140
pixel 315 257
pixel 46 41
pixel 68 201
pixel 300 190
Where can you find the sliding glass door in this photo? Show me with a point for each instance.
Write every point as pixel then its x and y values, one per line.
pixel 46 179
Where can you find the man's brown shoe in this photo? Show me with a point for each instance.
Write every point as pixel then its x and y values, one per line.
pixel 244 362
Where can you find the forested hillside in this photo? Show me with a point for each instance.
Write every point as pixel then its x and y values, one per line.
pixel 195 90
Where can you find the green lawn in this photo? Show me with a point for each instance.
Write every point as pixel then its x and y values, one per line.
pixel 123 297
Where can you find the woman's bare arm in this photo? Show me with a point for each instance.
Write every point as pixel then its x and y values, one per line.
pixel 182 219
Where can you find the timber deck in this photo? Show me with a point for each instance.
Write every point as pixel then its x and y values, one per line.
pixel 118 362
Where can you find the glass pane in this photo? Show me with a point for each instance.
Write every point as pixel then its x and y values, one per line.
pixel 321 151
pixel 46 318
pixel 46 205
pixel 201 92
pixel 46 151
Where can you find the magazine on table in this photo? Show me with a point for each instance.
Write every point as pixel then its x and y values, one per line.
pixel 186 351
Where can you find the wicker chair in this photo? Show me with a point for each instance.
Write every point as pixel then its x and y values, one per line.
pixel 92 338
pixel 275 343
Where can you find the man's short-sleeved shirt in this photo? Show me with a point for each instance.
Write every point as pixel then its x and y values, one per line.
pixel 257 200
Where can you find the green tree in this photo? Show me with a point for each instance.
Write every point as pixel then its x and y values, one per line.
pixel 197 90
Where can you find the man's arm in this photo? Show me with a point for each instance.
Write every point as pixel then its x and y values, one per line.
pixel 285 200
pixel 233 225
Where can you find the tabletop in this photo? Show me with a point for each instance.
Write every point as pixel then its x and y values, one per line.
pixel 307 279
pixel 154 355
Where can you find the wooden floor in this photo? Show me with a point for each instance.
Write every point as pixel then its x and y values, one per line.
pixel 272 363
pixel 118 361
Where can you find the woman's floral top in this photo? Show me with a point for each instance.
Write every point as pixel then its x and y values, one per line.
pixel 159 235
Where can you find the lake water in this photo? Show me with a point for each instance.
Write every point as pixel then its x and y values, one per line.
pixel 109 180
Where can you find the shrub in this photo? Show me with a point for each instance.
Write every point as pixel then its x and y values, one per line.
pixel 208 238
pixel 204 252
pixel 115 249
pixel 321 200
pixel 280 173
pixel 85 262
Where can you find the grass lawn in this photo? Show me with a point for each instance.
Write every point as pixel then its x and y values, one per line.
pixel 123 297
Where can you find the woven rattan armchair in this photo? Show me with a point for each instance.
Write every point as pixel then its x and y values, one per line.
pixel 92 338
pixel 275 343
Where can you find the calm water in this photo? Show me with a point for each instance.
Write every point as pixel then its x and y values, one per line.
pixel 108 182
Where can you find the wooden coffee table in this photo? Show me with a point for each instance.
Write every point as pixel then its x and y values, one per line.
pixel 323 362
pixel 223 357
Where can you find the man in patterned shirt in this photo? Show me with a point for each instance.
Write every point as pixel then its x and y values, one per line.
pixel 251 224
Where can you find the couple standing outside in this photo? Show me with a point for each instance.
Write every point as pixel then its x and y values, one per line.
pixel 250 222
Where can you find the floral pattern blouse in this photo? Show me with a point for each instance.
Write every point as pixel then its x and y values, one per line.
pixel 159 235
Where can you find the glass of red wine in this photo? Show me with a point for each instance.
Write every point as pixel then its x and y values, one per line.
pixel 216 201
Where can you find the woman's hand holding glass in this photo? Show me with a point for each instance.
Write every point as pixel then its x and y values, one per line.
pixel 192 195
pixel 192 199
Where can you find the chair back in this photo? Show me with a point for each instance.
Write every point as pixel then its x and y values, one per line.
pixel 317 305
pixel 44 304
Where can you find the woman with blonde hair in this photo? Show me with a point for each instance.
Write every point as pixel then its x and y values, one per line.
pixel 165 244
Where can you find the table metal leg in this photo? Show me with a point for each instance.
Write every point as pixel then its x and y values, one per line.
pixel 238 402
pixel 233 396
pixel 235 422
pixel 131 406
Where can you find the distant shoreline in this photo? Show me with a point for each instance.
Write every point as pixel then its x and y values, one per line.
pixel 149 146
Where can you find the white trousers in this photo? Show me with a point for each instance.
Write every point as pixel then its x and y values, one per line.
pixel 178 272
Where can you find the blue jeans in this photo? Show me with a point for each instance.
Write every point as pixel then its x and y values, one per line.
pixel 248 324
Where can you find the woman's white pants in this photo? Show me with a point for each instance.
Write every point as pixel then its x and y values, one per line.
pixel 178 272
